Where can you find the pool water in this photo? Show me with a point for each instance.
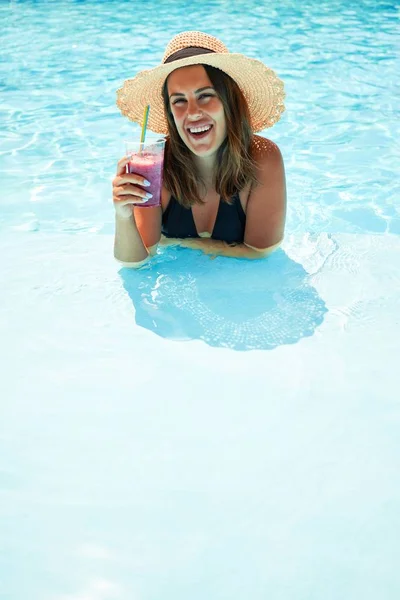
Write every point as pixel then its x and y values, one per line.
pixel 200 428
pixel 61 132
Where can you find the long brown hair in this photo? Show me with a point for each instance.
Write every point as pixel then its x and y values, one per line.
pixel 235 167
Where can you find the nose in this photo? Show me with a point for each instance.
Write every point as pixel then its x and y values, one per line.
pixel 193 110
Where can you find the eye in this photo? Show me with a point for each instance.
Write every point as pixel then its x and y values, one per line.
pixel 179 100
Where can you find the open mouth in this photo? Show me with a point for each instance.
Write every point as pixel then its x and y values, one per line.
pixel 198 133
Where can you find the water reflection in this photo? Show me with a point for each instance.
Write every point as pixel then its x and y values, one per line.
pixel 237 304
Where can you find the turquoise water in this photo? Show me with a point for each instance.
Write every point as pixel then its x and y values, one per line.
pixel 62 134
pixel 143 454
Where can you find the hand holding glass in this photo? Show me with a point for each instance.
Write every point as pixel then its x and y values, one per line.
pixel 147 159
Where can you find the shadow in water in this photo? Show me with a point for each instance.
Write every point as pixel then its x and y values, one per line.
pixel 229 303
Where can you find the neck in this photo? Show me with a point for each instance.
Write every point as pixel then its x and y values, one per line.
pixel 206 168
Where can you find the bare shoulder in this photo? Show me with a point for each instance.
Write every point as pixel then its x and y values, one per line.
pixel 266 207
pixel 265 152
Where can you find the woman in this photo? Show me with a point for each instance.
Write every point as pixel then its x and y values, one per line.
pixel 224 187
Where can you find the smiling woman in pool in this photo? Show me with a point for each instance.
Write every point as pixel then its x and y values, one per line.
pixel 224 187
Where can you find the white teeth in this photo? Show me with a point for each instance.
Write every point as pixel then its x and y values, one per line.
pixel 199 129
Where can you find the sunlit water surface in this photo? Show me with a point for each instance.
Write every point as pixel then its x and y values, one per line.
pixel 62 134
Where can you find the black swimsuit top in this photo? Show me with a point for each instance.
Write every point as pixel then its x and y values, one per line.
pixel 178 222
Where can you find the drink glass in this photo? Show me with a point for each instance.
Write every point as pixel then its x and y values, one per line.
pixel 147 160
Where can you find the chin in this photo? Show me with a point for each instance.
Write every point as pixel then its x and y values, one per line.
pixel 206 150
pixel 201 151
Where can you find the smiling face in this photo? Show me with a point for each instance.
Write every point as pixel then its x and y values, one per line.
pixel 197 110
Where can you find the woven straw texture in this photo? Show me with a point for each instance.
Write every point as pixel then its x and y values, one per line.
pixel 262 88
pixel 188 39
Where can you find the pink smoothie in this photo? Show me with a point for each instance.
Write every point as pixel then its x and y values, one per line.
pixel 149 166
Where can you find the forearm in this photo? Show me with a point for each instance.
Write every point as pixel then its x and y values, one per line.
pixel 128 244
pixel 219 248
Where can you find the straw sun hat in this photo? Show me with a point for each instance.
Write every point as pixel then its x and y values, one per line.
pixel 260 85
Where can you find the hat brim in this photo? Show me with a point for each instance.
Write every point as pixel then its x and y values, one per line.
pixel 261 87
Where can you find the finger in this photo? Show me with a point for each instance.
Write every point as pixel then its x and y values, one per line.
pixel 131 178
pixel 132 190
pixel 121 165
pixel 122 200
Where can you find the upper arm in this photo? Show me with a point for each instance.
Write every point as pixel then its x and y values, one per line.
pixel 266 206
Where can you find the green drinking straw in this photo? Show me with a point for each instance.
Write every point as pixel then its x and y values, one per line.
pixel 144 127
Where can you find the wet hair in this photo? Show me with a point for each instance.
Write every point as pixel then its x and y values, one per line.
pixel 235 166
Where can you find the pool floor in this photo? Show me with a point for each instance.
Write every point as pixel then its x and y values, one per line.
pixel 148 460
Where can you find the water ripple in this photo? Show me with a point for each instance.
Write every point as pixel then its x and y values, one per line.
pixel 62 134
